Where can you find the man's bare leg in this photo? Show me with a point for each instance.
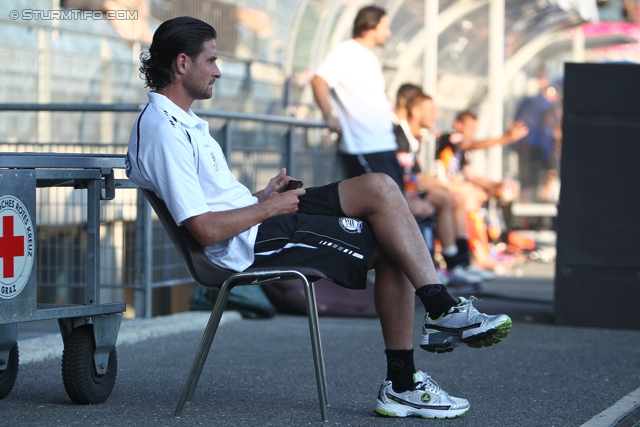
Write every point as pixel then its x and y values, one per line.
pixel 395 302
pixel 376 198
pixel 460 214
pixel 446 220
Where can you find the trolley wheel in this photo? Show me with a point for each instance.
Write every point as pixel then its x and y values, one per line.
pixel 81 381
pixel 9 375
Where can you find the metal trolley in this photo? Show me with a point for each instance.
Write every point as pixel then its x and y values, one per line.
pixel 89 330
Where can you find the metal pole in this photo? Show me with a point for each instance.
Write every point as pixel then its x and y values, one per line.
pixel 94 188
pixel 430 58
pixel 578 45
pixel 139 299
pixel 148 260
pixel 44 84
pixel 227 141
pixel 107 119
pixel 496 87
pixel 291 168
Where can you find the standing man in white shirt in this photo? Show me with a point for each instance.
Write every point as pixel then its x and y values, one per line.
pixel 343 229
pixel 350 82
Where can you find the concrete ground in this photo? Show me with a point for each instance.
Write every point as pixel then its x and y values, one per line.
pixel 260 372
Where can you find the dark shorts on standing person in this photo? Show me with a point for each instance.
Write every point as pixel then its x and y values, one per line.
pixel 384 162
pixel 319 236
pixel 531 163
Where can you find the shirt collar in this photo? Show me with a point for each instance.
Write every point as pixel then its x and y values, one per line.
pixel 413 141
pixel 187 119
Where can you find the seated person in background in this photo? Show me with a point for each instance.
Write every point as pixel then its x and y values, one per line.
pixel 419 205
pixel 453 151
pixel 421 114
pixel 404 93
pixel 342 229
pixel 455 170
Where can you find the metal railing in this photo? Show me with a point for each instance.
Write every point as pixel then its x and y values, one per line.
pixel 136 254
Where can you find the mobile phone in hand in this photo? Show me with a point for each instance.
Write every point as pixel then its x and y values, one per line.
pixel 292 185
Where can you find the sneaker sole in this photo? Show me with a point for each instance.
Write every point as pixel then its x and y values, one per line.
pixel 478 340
pixel 398 411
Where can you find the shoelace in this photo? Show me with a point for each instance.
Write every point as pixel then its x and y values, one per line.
pixel 429 384
pixel 467 306
pixel 468 303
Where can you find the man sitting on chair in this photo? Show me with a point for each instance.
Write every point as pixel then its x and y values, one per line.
pixel 342 229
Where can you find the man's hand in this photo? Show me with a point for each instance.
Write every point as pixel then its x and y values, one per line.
pixel 322 93
pixel 283 203
pixel 517 130
pixel 280 201
pixel 276 184
pixel 405 159
pixel 334 124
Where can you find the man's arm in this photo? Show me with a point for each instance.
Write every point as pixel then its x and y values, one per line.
pixel 489 186
pixel 515 132
pixel 212 227
pixel 322 92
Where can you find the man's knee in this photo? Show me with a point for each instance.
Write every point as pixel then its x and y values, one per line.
pixel 381 185
pixel 380 261
pixel 442 200
pixel 371 193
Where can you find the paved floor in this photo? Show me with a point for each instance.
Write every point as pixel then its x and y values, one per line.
pixel 261 372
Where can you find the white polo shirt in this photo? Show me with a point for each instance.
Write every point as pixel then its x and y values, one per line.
pixel 173 154
pixel 358 95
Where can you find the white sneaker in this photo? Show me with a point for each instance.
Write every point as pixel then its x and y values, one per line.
pixel 424 399
pixel 463 325
pixel 462 274
pixel 485 274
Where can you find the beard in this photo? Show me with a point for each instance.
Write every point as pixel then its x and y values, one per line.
pixel 198 89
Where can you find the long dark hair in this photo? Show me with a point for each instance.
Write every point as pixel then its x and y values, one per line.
pixel 173 37
pixel 368 18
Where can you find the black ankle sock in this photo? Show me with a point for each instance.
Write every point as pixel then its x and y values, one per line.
pixel 458 259
pixel 400 369
pixel 436 299
pixel 463 245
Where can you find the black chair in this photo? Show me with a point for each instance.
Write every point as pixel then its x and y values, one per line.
pixel 207 274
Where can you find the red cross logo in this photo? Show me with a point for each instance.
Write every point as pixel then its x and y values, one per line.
pixel 10 246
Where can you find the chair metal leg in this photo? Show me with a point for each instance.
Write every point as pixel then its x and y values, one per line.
pixel 205 346
pixel 316 346
pixel 321 365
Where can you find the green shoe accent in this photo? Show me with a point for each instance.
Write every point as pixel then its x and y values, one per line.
pixel 490 338
pixel 503 331
pixel 385 413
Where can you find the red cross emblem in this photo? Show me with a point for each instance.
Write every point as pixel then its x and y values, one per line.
pixel 10 247
pixel 17 246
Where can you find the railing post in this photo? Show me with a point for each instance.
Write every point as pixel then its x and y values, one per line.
pixel 291 163
pixel 144 261
pixel 93 242
pixel 148 260
pixel 139 299
pixel 227 141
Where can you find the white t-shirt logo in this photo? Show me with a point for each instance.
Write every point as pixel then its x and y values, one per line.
pixel 215 163
pixel 351 225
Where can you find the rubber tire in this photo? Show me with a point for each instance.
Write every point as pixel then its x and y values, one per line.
pixel 9 375
pixel 81 380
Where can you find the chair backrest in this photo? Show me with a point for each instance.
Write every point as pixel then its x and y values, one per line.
pixel 203 271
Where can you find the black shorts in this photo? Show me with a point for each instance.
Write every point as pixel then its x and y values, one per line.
pixel 384 162
pixel 318 236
